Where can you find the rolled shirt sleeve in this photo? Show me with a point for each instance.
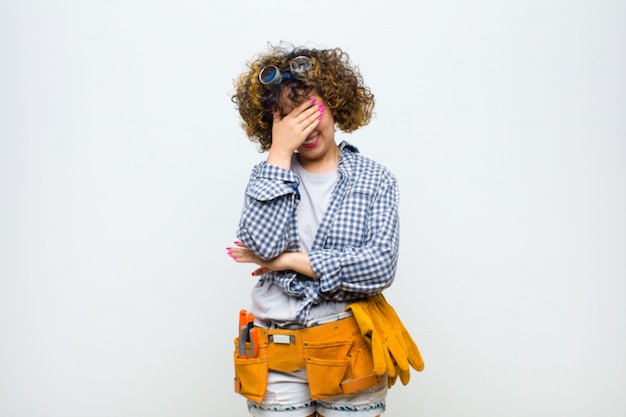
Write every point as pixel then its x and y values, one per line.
pixel 266 224
pixel 369 266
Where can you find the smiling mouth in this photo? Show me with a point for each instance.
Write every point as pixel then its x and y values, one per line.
pixel 311 141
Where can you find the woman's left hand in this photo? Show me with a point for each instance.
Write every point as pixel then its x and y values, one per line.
pixel 296 261
pixel 242 254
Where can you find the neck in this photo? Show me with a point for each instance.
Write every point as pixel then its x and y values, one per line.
pixel 322 165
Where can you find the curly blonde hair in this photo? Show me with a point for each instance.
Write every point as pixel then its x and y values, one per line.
pixel 333 78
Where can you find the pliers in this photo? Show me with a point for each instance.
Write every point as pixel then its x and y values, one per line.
pixel 247 334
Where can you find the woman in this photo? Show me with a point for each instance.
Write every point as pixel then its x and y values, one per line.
pixel 320 222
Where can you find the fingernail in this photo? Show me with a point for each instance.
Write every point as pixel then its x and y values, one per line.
pixel 319 117
pixel 236 242
pixel 313 100
pixel 321 109
pixel 252 274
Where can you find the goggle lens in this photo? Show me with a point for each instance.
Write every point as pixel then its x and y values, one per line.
pixel 269 75
pixel 298 67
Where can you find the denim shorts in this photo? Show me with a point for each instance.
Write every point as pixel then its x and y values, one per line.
pixel 288 395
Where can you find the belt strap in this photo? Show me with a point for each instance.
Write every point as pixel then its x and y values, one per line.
pixel 354 385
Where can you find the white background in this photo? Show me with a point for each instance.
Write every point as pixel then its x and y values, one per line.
pixel 122 167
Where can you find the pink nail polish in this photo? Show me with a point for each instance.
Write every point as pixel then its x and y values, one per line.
pixel 319 117
pixel 236 242
pixel 313 100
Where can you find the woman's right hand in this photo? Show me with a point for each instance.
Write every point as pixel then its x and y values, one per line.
pixel 289 132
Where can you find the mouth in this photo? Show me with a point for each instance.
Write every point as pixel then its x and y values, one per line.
pixel 311 141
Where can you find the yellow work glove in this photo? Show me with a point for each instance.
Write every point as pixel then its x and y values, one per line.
pixel 393 348
pixel 362 314
pixel 399 342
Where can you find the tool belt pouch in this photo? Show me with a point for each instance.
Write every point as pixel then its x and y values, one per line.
pixel 284 349
pixel 338 359
pixel 251 374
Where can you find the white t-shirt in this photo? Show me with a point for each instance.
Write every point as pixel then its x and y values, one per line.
pixel 269 303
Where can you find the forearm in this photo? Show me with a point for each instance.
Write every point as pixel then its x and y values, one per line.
pixel 295 261
pixel 280 158
pixel 266 236
pixel 268 213
pixel 368 264
pixel 366 270
pixel 287 261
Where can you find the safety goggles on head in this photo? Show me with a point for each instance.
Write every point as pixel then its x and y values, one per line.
pixel 298 68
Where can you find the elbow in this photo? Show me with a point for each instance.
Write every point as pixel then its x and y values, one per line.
pixel 386 273
pixel 375 275
pixel 264 252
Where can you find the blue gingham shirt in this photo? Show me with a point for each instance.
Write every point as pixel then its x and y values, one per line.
pixel 355 250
